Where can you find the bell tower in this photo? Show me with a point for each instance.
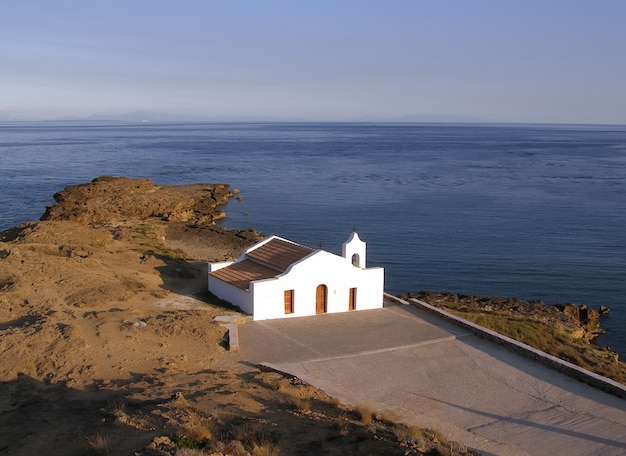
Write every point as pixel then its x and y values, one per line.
pixel 354 250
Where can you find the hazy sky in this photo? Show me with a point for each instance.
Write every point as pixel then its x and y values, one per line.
pixel 500 60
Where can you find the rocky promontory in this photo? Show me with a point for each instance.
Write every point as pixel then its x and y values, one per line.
pixel 116 198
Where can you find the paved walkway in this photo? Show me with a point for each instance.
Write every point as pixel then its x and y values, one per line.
pixel 430 373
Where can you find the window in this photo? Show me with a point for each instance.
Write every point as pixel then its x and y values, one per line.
pixel 356 260
pixel 289 301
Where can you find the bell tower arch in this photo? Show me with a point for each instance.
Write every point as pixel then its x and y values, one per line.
pixel 354 250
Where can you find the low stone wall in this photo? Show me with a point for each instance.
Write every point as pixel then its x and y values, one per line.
pixel 569 369
pixel 231 323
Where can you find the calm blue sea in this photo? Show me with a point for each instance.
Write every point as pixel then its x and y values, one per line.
pixel 529 211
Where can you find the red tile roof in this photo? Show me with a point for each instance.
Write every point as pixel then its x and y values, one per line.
pixel 264 262
pixel 242 273
pixel 279 253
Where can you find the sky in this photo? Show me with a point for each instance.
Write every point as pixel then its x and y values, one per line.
pixel 538 61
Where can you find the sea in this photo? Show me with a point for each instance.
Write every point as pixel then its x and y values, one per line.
pixel 527 211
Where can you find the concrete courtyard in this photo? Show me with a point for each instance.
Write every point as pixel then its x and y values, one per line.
pixel 427 372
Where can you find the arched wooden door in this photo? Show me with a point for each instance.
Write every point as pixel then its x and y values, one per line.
pixel 321 296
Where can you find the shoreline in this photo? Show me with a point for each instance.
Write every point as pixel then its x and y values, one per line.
pixel 593 379
pixel 565 331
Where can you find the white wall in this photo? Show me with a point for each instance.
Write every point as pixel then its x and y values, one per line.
pixel 220 265
pixel 337 273
pixel 227 292
pixel 234 295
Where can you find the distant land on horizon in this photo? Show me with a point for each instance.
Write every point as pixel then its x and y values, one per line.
pixel 153 116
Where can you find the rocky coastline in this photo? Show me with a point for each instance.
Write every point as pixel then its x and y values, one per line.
pixel 579 321
pixel 567 331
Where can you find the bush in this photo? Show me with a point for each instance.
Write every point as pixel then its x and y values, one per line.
pixel 365 414
pixel 302 403
pixel 99 445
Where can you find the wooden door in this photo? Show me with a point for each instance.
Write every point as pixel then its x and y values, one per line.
pixel 352 302
pixel 321 295
pixel 288 301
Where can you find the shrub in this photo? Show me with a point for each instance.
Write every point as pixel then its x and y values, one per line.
pixel 144 229
pixel 199 431
pixel 251 433
pixel 265 449
pixel 302 403
pixel 365 414
pixel 99 445
pixel 117 408
pixel 185 441
pixel 341 424
pixel 412 433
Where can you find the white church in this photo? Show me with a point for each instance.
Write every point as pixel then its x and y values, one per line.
pixel 278 278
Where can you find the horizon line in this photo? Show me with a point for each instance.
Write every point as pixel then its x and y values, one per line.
pixel 302 121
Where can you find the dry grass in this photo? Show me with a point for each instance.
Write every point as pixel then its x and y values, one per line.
pixel 365 414
pixel 265 449
pixel 99 445
pixel 388 417
pixel 201 432
pixel 189 451
pixel 117 408
pixel 252 434
pixel 282 385
pixel 438 437
pixel 551 340
pixel 234 448
pixel 302 403
pixel 180 402
pixel 246 432
pixel 341 424
pixel 411 433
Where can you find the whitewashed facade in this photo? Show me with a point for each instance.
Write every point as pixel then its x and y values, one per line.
pixel 277 278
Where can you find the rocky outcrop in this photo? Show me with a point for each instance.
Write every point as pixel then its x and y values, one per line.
pixel 588 319
pixel 577 320
pixel 604 310
pixel 119 198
